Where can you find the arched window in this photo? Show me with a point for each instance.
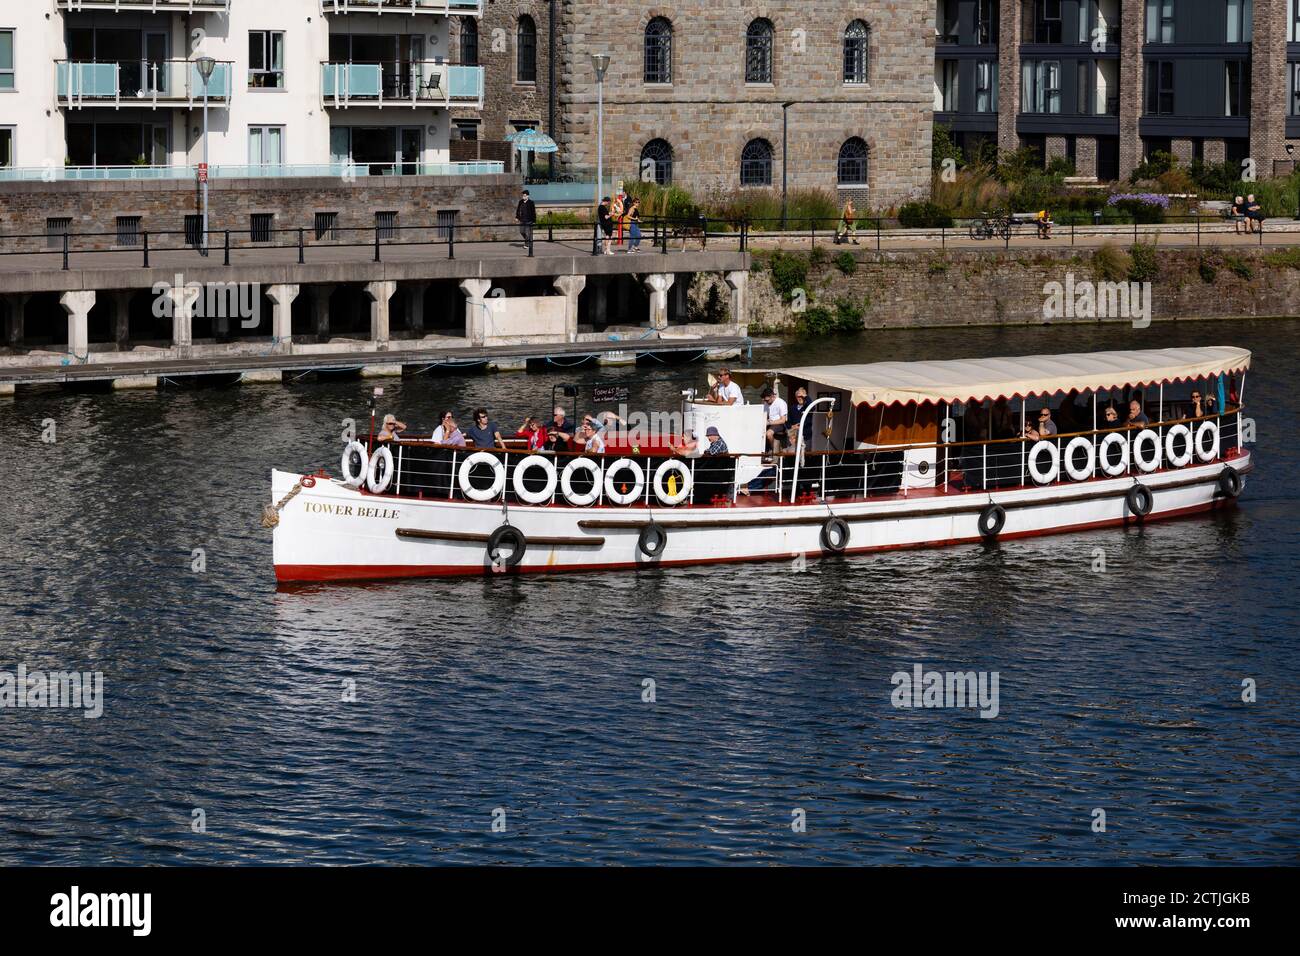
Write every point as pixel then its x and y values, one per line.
pixel 855 52
pixel 526 50
pixel 852 169
pixel 756 163
pixel 660 154
pixel 658 51
pixel 468 41
pixel 758 51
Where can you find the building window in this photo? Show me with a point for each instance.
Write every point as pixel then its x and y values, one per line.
pixel 1240 21
pixel 1160 21
pixel 55 228
pixel 265 60
pixel 128 230
pixel 526 50
pixel 265 145
pixel 1047 21
pixel 468 42
pixel 446 223
pixel 259 226
pixel 756 163
pixel 386 225
pixel 6 146
pixel 946 78
pixel 1293 75
pixel 1237 87
pixel 194 229
pixel 326 226
pixel 986 21
pixel 758 51
pixel 1293 22
pixel 986 86
pixel 855 52
pixel 657 162
pixel 658 57
pixel 852 167
pixel 1040 82
pixel 1160 87
pixel 465 130
pixel 6 59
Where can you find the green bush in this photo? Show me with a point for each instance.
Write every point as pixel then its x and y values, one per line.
pixel 1283 258
pixel 1144 264
pixel 942 147
pixel 846 263
pixel 924 215
pixel 1215 180
pixel 1034 192
pixel 817 256
pixel 1239 267
pixel 1015 165
pixel 564 218
pixel 1207 271
pixel 1155 165
pixel 1110 263
pixel 788 272
pixel 1060 166
pixel 819 320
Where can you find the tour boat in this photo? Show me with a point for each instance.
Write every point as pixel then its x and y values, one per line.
pixel 886 455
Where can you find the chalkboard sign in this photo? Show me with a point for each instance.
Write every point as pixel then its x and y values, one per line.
pixel 606 394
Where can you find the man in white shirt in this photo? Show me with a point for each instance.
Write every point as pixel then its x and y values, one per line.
pixel 777 416
pixel 726 392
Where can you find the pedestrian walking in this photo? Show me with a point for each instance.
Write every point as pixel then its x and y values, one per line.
pixel 606 223
pixel 526 216
pixel 616 211
pixel 634 226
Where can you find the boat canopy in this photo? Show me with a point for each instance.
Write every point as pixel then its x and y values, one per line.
pixel 960 380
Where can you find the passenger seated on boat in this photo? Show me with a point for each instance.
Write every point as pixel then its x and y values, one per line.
pixel 593 441
pixel 1044 427
pixel 1197 409
pixel 560 433
pixel 795 418
pixel 726 392
pixel 447 433
pixel 1110 418
pixel 778 414
pixel 715 471
pixel 716 445
pixel 1136 417
pixel 688 446
pixel 534 433
pixel 392 428
pixel 485 433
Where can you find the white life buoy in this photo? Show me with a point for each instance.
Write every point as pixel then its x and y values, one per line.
pixel 1179 460
pixel 380 474
pixel 1147 438
pixel 355 450
pixel 1050 474
pixel 611 483
pixel 521 489
pixel 1212 452
pixel 661 481
pixel 498 477
pixel 1086 472
pixel 566 482
pixel 1110 441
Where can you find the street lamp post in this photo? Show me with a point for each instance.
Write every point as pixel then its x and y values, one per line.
pixel 205 66
pixel 600 61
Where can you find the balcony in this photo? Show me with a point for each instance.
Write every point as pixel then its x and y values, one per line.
pixel 148 6
pixel 473 8
pixel 147 83
pixel 401 84
pixel 341 171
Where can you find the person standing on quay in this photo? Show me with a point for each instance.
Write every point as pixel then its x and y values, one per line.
pixel 606 224
pixel 526 216
pixel 616 213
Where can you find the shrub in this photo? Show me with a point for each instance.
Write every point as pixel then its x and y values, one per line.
pixel 936 266
pixel 817 256
pixel 1143 207
pixel 1283 258
pixel 788 272
pixel 1060 166
pixel 1110 263
pixel 565 218
pixel 1015 164
pixel 819 320
pixel 846 263
pixel 924 215
pixel 1239 267
pixel 1207 271
pixel 1144 265
pixel 942 147
pixel 1034 192
pixel 1155 165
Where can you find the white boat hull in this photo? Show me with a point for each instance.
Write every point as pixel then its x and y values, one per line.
pixel 330 532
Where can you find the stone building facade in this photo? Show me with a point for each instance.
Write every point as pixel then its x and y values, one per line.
pixel 823 94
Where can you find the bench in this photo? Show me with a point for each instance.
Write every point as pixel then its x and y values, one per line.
pixel 1028 219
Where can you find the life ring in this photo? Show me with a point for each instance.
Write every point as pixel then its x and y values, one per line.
pixel 307 481
pixel 355 461
pixel 661 482
pixel 1103 454
pixel 380 474
pixel 1045 477
pixel 1211 429
pixel 611 483
pixel 518 544
pixel 992 520
pixel 1184 457
pixel 1147 462
pixel 566 482
pixel 1139 500
pixel 498 476
pixel 521 487
pixel 652 540
pixel 1087 471
pixel 835 535
pixel 1229 482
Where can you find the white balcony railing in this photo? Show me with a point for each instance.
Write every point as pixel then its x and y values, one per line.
pixel 151 83
pixel 338 170
pixel 473 8
pixel 401 84
pixel 149 6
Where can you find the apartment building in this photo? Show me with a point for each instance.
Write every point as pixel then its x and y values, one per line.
pixel 115 88
pixel 1107 82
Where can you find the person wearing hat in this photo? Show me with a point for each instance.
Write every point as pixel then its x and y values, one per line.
pixel 716 445
pixel 392 428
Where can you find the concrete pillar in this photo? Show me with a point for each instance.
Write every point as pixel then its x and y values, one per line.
pixel 1053 146
pixel 1009 29
pixel 17 314
pixel 570 287
pixel 1132 36
pixel 476 291
pixel 1085 156
pixel 1215 151
pixel 682 297
pixel 415 306
pixel 183 300
pixel 320 310
pixel 1181 149
pixel 282 297
pixel 122 319
pixel 600 300
pixel 659 283
pixel 379 294
pixel 738 282
pixel 1268 88
pixel 78 306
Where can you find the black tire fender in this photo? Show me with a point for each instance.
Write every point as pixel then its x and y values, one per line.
pixel 992 520
pixel 835 535
pixel 1139 501
pixel 652 540
pixel 518 544
pixel 1229 482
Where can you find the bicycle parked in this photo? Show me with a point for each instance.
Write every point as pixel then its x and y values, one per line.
pixel 990 225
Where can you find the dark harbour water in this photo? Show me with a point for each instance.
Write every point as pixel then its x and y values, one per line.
pixel 1118 690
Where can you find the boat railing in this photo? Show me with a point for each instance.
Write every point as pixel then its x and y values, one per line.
pixel 423 469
